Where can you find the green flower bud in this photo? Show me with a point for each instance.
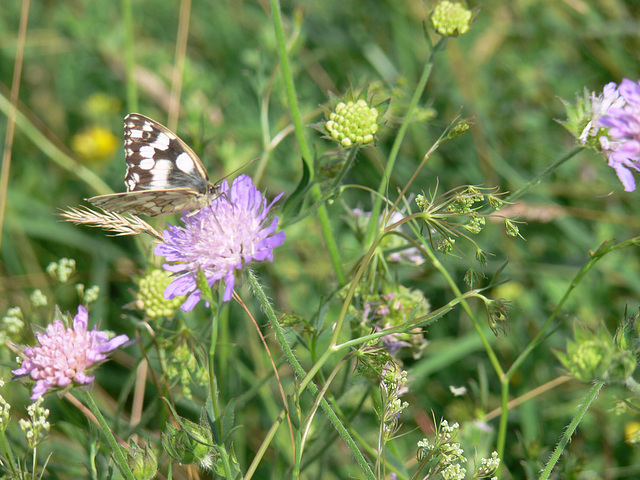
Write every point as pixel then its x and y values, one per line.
pixel 150 295
pixel 498 316
pixel 460 129
pixel 187 447
pixel 143 463
pixel 511 228
pixel 451 19
pixel 352 123
pixel 595 356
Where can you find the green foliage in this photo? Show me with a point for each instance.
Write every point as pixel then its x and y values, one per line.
pixel 291 384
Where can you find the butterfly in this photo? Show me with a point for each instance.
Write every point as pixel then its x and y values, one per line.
pixel 164 175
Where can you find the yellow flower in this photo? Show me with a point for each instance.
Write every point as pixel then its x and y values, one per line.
pixel 94 144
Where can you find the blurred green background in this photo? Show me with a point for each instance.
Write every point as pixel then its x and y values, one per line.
pixel 508 74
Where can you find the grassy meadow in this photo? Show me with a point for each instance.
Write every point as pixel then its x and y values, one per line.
pixel 461 259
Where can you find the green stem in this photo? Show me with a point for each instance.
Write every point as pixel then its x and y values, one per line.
pixel 129 57
pixel 604 249
pixel 570 430
pixel 224 456
pixel 212 375
pixel 305 151
pixel 265 444
pixel 116 450
pixel 395 148
pixel 538 179
pixel 296 118
pixel 293 361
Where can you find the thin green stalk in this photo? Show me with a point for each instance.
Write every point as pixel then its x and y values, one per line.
pixel 293 361
pixel 474 321
pixel 296 118
pixel 129 56
pixel 265 444
pixel 538 179
pixel 504 415
pixel 305 151
pixel 603 250
pixel 53 152
pixel 116 450
pixel 224 457
pixel 34 463
pixel 555 456
pixel 395 148
pixel 212 376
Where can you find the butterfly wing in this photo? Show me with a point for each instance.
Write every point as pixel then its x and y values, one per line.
pixel 151 202
pixel 164 174
pixel 157 159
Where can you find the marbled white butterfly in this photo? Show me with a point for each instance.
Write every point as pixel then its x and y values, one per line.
pixel 163 174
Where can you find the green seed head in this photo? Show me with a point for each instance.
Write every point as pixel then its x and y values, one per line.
pixel 151 295
pixel 451 19
pixel 352 123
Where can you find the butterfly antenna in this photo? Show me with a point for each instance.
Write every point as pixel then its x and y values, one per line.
pixel 240 168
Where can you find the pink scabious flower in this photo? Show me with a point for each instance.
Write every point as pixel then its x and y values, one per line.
pixel 220 239
pixel 621 145
pixel 63 354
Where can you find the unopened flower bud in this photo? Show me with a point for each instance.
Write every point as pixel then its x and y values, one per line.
pixel 189 447
pixel 353 123
pixel 143 463
pixel 451 19
pixel 151 297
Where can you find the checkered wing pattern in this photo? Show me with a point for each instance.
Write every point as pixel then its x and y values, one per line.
pixel 164 174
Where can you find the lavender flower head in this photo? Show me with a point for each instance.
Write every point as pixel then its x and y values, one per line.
pixel 622 144
pixel 65 354
pixel 220 239
pixel 599 106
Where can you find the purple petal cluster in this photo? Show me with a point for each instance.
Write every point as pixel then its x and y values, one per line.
pixel 220 239
pixel 600 105
pixel 622 145
pixel 63 354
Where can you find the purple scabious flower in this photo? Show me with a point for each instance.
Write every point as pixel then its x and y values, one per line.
pixel 600 105
pixel 220 239
pixel 63 354
pixel 622 145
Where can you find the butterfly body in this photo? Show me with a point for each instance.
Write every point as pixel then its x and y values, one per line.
pixel 164 175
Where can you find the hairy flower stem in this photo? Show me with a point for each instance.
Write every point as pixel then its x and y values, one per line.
pixel 116 450
pixel 213 387
pixel 395 149
pixel 323 217
pixel 555 456
pixel 293 361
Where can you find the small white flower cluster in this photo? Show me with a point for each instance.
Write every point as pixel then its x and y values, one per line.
pixel 489 466
pixel 13 321
pixel 445 457
pixel 62 270
pixel 87 295
pixel 393 386
pixel 36 429
pixel 38 299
